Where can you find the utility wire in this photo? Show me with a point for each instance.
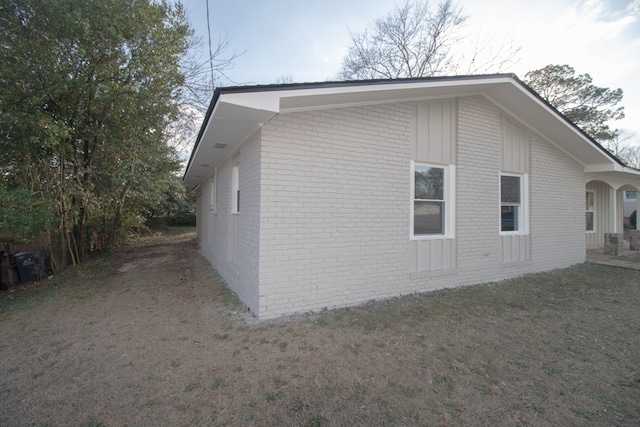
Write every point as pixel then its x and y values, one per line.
pixel 210 50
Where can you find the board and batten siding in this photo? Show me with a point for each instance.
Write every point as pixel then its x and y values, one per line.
pixel 434 138
pixel 602 194
pixel 515 146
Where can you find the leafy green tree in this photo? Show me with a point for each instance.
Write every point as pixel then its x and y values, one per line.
pixel 87 90
pixel 590 107
pixel 23 215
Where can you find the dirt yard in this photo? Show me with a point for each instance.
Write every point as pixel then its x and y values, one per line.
pixel 149 336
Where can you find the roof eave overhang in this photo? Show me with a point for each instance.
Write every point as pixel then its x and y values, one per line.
pixel 237 113
pixel 226 129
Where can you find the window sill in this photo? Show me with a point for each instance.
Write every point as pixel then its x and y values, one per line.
pixel 432 237
pixel 513 233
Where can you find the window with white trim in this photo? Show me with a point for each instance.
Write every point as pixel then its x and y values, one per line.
pixel 235 190
pixel 213 201
pixel 590 213
pixel 433 211
pixel 513 203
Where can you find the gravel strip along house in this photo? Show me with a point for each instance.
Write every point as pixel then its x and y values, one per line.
pixel 331 194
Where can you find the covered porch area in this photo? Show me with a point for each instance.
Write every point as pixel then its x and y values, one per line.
pixel 610 205
pixel 626 259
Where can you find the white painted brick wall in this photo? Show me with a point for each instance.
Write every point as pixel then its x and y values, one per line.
pixel 335 207
pixel 234 248
pixel 557 199
pixel 325 208
pixel 477 195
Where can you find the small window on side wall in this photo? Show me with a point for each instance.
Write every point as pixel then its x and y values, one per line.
pixel 432 213
pixel 590 214
pixel 513 207
pixel 235 190
pixel 213 198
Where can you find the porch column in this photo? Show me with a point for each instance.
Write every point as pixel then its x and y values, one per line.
pixel 637 209
pixel 613 210
pixel 634 234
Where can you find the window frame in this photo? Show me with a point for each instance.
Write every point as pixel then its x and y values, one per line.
pixel 213 193
pixel 523 211
pixel 448 201
pixel 592 210
pixel 235 190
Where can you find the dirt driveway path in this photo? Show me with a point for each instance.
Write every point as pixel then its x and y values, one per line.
pixel 148 336
pixel 118 345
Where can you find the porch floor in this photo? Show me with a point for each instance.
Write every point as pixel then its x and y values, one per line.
pixel 629 259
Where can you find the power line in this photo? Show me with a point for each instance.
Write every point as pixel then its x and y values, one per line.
pixel 210 50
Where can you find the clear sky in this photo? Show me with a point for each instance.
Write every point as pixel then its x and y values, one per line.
pixel 307 39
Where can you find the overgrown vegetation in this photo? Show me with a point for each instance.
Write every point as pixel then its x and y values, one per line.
pixel 88 91
pixel 23 214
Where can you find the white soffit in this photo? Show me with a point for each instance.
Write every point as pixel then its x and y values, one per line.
pixel 238 113
pixel 228 127
pixel 369 94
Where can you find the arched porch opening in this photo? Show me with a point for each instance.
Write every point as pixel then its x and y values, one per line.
pixel 630 205
pixel 605 205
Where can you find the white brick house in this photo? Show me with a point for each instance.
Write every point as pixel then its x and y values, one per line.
pixel 332 194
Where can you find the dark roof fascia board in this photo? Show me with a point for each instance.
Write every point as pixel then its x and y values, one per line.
pixel 205 122
pixel 347 83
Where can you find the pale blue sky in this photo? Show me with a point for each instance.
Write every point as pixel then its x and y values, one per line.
pixel 308 39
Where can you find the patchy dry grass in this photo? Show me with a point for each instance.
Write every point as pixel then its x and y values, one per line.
pixel 154 338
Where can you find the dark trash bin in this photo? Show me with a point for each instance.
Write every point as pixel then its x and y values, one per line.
pixel 29 265
pixel 3 286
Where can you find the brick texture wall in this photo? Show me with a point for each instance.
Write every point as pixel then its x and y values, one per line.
pixel 477 219
pixel 231 241
pixel 557 205
pixel 325 209
pixel 334 207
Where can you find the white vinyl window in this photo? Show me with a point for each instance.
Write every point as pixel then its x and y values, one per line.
pixel 213 201
pixel 235 190
pixel 433 210
pixel 513 204
pixel 590 214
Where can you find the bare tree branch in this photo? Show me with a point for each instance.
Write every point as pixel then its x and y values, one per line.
pixel 412 41
pixel 415 40
pixel 198 86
